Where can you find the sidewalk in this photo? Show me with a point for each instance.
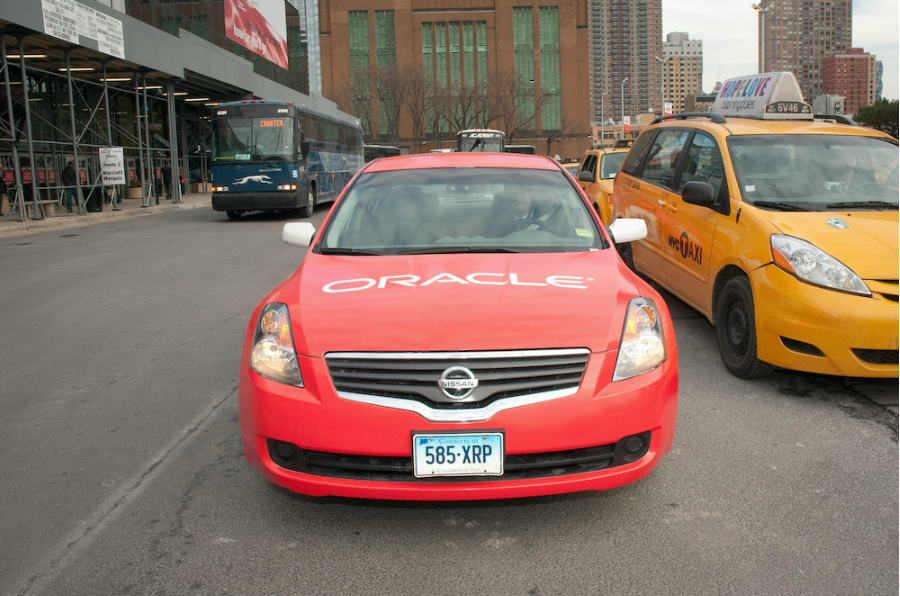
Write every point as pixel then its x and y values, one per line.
pixel 127 208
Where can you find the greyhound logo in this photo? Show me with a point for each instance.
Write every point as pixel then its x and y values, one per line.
pixel 261 178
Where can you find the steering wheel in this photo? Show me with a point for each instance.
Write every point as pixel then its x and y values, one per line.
pixel 521 224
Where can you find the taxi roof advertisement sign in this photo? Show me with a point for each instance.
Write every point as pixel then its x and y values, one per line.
pixel 771 95
pixel 260 26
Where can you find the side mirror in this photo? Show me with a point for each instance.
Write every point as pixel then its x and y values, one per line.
pixel 298 233
pixel 698 193
pixel 625 230
pixel 585 176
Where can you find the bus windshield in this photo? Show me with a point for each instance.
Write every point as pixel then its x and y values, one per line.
pixel 253 139
pixel 480 140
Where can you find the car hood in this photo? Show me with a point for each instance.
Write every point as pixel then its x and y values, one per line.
pixel 865 241
pixel 458 302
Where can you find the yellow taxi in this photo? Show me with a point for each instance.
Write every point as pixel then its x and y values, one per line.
pixel 778 226
pixel 595 175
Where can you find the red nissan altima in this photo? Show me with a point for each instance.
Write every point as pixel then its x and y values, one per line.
pixel 461 327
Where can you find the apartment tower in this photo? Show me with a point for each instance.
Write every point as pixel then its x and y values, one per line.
pixel 797 35
pixel 626 53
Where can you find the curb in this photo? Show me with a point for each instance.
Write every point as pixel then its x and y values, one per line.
pixel 17 228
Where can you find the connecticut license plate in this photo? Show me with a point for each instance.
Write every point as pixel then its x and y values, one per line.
pixel 458 454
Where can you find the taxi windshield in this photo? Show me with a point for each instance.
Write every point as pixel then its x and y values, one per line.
pixel 816 172
pixel 450 210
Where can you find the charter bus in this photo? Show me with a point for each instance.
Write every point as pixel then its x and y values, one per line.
pixel 375 151
pixel 480 139
pixel 277 156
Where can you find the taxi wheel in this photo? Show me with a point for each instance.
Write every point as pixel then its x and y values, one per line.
pixel 736 331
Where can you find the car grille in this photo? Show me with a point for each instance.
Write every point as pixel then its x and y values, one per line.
pixel 515 466
pixel 415 376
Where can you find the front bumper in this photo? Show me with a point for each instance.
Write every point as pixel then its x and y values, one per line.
pixel 807 328
pixel 349 436
pixel 259 201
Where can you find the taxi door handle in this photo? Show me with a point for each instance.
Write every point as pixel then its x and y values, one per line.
pixel 664 205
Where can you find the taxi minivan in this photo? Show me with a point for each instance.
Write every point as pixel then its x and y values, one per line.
pixel 780 227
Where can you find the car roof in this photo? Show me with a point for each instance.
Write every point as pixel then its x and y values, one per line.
pixel 463 160
pixel 753 126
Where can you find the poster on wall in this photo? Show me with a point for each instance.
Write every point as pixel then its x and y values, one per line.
pixel 259 26
pixel 112 165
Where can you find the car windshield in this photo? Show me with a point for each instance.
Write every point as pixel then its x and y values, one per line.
pixel 447 210
pixel 816 172
pixel 610 164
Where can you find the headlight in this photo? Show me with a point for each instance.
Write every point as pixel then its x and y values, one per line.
pixel 803 260
pixel 643 345
pixel 273 355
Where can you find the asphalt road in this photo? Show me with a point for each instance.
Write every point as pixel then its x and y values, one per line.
pixel 121 469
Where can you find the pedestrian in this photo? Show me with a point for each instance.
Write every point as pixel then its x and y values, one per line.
pixel 166 172
pixel 70 181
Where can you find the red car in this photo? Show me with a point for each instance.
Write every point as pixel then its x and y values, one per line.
pixel 461 327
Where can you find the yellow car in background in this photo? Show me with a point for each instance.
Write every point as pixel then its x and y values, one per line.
pixel 595 174
pixel 781 229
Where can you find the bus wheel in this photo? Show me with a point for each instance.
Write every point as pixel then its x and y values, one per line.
pixel 736 330
pixel 233 215
pixel 307 210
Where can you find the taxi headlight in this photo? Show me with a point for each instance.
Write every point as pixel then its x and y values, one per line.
pixel 273 355
pixel 805 261
pixel 643 344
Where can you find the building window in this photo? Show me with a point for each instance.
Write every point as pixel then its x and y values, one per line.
pixel 523 56
pixel 550 79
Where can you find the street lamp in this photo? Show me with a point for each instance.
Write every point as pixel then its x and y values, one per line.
pixel 762 35
pixel 662 84
pixel 623 106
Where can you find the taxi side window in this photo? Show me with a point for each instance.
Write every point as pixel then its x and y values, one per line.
pixel 589 164
pixel 661 163
pixel 703 163
pixel 632 164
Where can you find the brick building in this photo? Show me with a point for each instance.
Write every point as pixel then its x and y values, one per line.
pixel 417 71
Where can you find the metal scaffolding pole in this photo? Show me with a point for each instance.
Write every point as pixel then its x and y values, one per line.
pixel 20 200
pixel 115 189
pixel 140 140
pixel 38 207
pixel 150 177
pixel 173 141
pixel 79 199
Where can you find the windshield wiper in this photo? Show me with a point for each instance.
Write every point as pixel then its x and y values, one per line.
pixel 350 251
pixel 862 205
pixel 445 250
pixel 782 206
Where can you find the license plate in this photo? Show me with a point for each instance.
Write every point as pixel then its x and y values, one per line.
pixel 458 454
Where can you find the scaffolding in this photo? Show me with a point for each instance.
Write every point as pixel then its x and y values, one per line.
pixel 64 103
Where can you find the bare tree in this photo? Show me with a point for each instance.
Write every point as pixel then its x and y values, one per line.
pixel 558 134
pixel 437 109
pixel 412 91
pixel 468 106
pixel 386 82
pixel 514 105
pixel 355 97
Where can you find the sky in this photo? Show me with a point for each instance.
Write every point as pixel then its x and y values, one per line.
pixel 729 31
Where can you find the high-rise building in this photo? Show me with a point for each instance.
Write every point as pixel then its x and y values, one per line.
pixel 626 52
pixel 851 74
pixel 797 35
pixel 415 73
pixel 682 69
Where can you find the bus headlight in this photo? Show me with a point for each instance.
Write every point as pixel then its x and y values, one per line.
pixel 287 187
